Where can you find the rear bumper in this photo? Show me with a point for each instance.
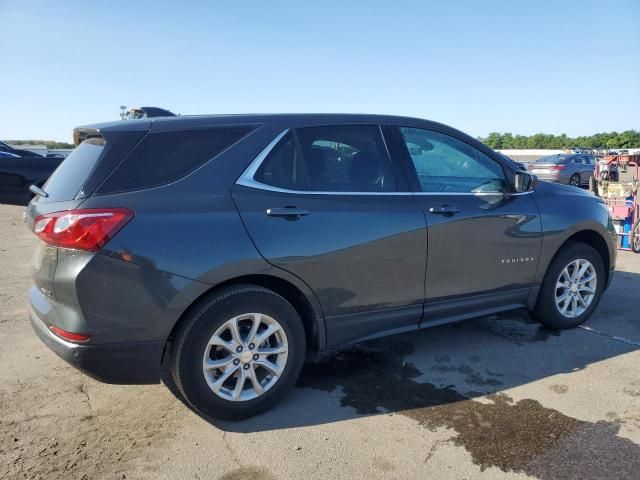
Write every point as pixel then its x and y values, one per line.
pixel 545 177
pixel 120 363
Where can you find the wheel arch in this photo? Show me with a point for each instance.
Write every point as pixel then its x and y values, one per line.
pixel 303 302
pixel 593 239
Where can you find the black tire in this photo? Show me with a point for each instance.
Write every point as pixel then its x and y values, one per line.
pixel 190 343
pixel 593 185
pixel 574 181
pixel 635 237
pixel 546 311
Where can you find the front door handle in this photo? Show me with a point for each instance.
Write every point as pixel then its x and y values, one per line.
pixel 290 213
pixel 444 210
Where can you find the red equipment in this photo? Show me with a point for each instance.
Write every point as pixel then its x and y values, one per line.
pixel 615 180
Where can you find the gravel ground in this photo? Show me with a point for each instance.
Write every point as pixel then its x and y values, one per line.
pixel 497 397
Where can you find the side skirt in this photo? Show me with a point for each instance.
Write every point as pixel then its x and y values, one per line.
pixel 358 327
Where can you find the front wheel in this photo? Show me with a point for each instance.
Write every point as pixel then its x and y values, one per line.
pixel 571 288
pixel 239 353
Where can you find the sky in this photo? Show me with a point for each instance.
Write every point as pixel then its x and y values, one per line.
pixel 509 66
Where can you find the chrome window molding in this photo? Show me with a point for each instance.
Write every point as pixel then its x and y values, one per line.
pixel 247 180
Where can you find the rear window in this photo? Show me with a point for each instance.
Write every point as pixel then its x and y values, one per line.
pixel 72 173
pixel 164 157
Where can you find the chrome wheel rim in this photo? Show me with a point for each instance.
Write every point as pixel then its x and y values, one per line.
pixel 574 181
pixel 245 357
pixel 576 288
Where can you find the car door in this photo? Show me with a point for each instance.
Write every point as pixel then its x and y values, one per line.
pixel 586 168
pixel 576 164
pixel 326 204
pixel 484 240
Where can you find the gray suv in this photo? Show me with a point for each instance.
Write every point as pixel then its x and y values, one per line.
pixel 234 247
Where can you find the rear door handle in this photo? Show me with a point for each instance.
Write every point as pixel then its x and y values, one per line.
pixel 444 210
pixel 291 213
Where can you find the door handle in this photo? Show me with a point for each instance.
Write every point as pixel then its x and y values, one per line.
pixel 444 210
pixel 291 213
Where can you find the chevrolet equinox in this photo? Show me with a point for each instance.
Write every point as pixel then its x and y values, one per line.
pixel 235 246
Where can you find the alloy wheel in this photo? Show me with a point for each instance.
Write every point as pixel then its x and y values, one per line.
pixel 574 181
pixel 576 288
pixel 245 357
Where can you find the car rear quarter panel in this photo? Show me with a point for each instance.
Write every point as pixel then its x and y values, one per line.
pixel 185 238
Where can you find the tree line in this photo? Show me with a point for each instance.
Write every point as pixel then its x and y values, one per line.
pixel 626 139
pixel 50 144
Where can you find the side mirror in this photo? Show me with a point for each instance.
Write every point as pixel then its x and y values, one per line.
pixel 524 182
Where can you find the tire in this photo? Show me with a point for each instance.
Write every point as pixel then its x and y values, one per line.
pixel 574 181
pixel 191 348
pixel 547 310
pixel 635 237
pixel 593 185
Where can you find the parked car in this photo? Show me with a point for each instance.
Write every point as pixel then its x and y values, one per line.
pixel 19 169
pixel 234 247
pixel 571 169
pixel 4 147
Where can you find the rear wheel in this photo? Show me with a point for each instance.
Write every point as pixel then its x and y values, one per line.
pixel 574 180
pixel 571 288
pixel 239 353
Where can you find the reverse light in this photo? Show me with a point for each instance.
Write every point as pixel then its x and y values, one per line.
pixel 83 229
pixel 72 337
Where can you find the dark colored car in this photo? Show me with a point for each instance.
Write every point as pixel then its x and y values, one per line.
pixel 234 247
pixel 570 169
pixel 5 147
pixel 19 169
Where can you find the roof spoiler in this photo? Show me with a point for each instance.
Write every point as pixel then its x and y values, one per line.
pixel 80 134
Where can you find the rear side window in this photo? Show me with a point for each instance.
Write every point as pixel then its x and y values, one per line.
pixel 344 158
pixel 72 173
pixel 163 157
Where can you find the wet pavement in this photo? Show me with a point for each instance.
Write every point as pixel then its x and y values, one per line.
pixel 491 398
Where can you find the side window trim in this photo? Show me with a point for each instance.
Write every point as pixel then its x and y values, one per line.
pixel 413 174
pixel 247 179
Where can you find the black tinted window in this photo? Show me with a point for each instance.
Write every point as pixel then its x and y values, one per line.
pixel 283 168
pixel 330 159
pixel 69 177
pixel 164 157
pixel 446 164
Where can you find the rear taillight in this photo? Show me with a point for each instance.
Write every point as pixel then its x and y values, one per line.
pixel 85 229
pixel 72 337
pixel 557 168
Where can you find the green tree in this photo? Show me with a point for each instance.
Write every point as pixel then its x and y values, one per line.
pixel 626 139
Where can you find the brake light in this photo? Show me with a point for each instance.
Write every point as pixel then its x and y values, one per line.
pixel 557 168
pixel 73 337
pixel 84 229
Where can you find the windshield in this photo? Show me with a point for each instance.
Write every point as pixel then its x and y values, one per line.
pixel 551 159
pixel 73 172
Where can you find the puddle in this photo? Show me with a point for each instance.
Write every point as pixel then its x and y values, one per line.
pixel 521 436
pixel 519 328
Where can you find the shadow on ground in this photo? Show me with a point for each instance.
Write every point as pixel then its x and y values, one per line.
pixel 453 377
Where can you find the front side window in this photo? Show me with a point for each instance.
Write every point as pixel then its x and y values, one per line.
pixel 446 164
pixel 348 158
